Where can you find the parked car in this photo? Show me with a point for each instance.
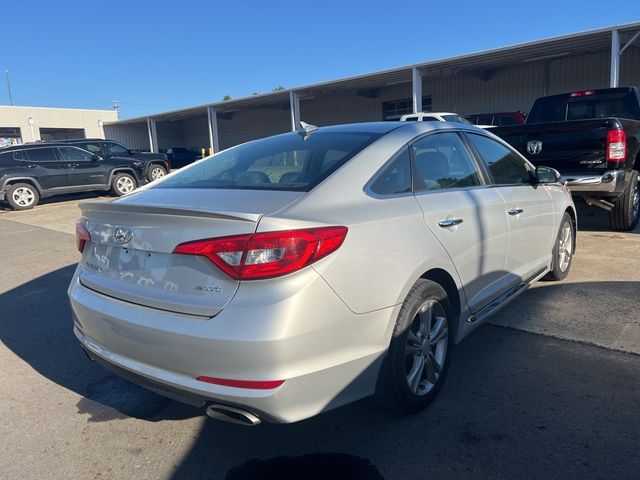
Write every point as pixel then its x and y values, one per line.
pixel 434 117
pixel 33 171
pixel 499 119
pixel 293 274
pixel 179 156
pixel 592 137
pixel 156 165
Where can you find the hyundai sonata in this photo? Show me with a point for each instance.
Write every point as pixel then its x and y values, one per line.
pixel 293 274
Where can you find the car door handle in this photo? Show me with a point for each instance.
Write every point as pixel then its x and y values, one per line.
pixel 449 222
pixel 71 165
pixel 32 165
pixel 515 211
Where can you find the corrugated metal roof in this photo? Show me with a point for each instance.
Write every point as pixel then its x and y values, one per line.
pixel 554 47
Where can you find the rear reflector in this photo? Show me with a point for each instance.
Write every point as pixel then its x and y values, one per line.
pixel 269 254
pixel 82 236
pixel 254 384
pixel 616 146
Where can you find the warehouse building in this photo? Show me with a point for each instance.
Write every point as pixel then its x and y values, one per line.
pixel 498 80
pixel 31 124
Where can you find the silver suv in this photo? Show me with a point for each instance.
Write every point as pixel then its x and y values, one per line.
pixel 290 275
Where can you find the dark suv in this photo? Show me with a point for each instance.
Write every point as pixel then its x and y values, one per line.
pixel 33 171
pixel 156 165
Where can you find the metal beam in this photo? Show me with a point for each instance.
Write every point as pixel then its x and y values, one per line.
pixel 212 117
pixel 417 90
pixel 153 135
pixel 615 59
pixel 628 44
pixel 294 104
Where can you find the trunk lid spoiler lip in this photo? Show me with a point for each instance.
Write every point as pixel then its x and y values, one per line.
pixel 168 210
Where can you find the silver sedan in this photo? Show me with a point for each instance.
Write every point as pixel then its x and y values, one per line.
pixel 290 275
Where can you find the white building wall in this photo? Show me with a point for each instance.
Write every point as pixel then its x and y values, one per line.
pixel 87 120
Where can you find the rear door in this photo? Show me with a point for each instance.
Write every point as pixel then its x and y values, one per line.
pixel 464 213
pixel 84 169
pixel 528 207
pixel 47 167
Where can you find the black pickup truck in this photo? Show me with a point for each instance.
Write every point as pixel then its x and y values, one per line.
pixel 592 138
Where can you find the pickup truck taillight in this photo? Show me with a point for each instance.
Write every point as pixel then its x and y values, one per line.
pixel 616 146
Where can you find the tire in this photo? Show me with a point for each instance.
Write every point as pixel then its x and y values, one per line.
pixel 155 171
pixel 626 210
pixel 563 250
pixel 123 183
pixel 406 383
pixel 22 196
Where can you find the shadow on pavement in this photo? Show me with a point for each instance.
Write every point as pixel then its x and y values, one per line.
pixel 36 325
pixel 515 405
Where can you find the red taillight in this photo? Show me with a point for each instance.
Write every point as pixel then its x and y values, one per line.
pixel 82 236
pixel 266 255
pixel 254 384
pixel 583 93
pixel 616 146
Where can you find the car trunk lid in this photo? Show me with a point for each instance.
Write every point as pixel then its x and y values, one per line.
pixel 130 254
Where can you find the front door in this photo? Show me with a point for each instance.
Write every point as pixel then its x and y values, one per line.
pixel 529 208
pixel 85 169
pixel 465 214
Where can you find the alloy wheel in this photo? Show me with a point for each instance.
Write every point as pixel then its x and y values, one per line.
pixel 157 172
pixel 426 347
pixel 565 247
pixel 23 196
pixel 125 185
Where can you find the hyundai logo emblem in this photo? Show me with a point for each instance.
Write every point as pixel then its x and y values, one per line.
pixel 122 234
pixel 534 147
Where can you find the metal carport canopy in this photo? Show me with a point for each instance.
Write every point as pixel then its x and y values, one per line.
pixel 597 40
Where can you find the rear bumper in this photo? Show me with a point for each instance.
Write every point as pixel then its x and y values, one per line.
pixel 609 183
pixel 327 355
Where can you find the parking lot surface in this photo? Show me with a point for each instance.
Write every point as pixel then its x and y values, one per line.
pixel 549 389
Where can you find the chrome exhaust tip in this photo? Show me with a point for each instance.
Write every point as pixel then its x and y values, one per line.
pixel 232 415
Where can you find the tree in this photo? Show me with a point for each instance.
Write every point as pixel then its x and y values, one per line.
pixel 279 87
pixel 226 97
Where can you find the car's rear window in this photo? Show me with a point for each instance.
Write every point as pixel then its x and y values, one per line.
pixel 284 162
pixel 561 108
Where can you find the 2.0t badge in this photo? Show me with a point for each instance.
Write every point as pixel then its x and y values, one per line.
pixel 122 234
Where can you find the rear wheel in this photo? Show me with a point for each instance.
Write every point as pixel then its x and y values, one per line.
pixel 563 250
pixel 122 184
pixel 418 358
pixel 626 210
pixel 22 196
pixel 154 172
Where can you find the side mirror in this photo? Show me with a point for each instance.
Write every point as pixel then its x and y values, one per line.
pixel 95 158
pixel 547 175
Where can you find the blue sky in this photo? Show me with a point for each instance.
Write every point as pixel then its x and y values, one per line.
pixel 158 55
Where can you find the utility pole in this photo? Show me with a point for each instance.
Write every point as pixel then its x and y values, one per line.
pixel 6 72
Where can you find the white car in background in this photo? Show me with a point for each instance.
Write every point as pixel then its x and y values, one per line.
pixel 438 117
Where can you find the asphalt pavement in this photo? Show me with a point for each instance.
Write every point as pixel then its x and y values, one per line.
pixel 550 390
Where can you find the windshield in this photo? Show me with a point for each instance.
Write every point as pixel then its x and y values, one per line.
pixel 284 162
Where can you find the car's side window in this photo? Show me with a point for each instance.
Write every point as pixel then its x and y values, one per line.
pixel 18 155
pixel 506 167
pixel 114 149
pixel 442 161
pixel 74 154
pixel 42 155
pixel 92 147
pixel 396 177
